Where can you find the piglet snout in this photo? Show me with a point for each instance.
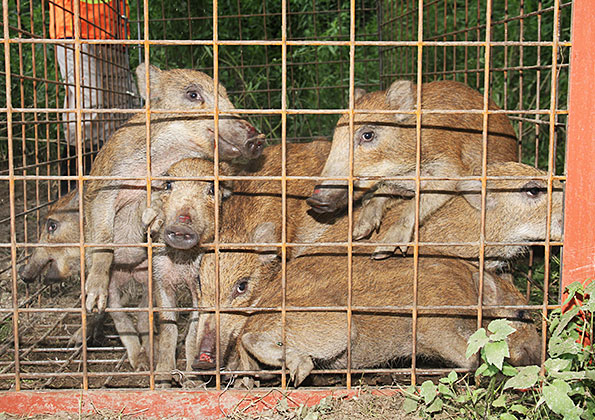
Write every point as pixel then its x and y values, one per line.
pixel 180 236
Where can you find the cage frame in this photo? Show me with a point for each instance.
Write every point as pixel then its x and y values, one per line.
pixel 580 182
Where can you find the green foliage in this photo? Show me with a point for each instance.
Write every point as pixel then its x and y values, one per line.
pixel 565 391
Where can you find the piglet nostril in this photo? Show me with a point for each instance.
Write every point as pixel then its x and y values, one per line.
pixel 252 132
pixel 184 218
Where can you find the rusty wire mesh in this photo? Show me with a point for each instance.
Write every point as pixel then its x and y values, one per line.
pixel 279 80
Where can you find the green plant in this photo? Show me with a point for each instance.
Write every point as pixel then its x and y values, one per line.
pixel 564 390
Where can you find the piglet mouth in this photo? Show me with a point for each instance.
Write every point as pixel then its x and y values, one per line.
pixel 226 147
pixel 204 361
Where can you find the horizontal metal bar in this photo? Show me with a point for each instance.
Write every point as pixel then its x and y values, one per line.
pixel 183 42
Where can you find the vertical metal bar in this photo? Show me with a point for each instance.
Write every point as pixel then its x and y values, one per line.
pixel 284 190
pixel 580 186
pixel 418 139
pixel 148 105
pixel 550 173
pixel 484 158
pixel 217 204
pixel 466 59
pixel 11 198
pixel 350 192
pixel 505 104
pixel 79 163
pixel 35 120
pixel 23 118
pixel 382 50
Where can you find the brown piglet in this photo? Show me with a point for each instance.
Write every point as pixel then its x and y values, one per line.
pixel 185 210
pixel 173 136
pixel 515 213
pixel 253 215
pixel 379 335
pixel 385 144
pixel 58 263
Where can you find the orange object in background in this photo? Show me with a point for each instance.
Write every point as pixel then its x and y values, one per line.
pixel 99 19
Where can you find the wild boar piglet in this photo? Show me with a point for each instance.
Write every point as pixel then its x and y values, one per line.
pixel 385 144
pixel 59 263
pixel 378 337
pixel 173 137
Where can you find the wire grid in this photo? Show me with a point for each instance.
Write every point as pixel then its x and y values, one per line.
pixel 420 41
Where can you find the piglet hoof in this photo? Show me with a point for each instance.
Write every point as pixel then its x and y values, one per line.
pixel 403 249
pixel 362 229
pixel 152 219
pixel 140 363
pixel 383 252
pixel 148 216
pixel 97 292
pixel 299 368
pixel 245 383
pixel 77 338
pixel 163 381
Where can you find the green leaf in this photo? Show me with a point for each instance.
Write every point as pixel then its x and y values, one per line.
pixel 462 398
pixel 526 378
pixel 556 365
pixel 487 369
pixel 444 390
pixel 557 399
pixel 509 370
pixel 558 346
pixel 477 394
pixel 569 376
pixel 495 352
pixel 410 404
pixel 517 408
pixel 436 406
pixel 428 391
pixel 572 289
pixel 476 341
pixel 565 320
pixel 500 329
pixel 508 416
pixel 500 401
pixel 450 379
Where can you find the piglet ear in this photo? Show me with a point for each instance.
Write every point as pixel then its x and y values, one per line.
pixel 471 190
pixel 266 233
pixel 358 93
pixel 401 95
pixel 154 80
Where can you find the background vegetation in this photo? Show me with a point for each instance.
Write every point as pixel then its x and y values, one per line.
pixel 317 76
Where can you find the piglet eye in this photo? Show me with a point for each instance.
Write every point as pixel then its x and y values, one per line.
pixel 534 192
pixel 240 287
pixel 211 189
pixel 52 225
pixel 533 189
pixel 367 136
pixel 167 185
pixel 194 96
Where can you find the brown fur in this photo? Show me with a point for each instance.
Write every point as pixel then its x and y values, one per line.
pixel 193 202
pixel 173 137
pixel 451 146
pixel 253 215
pixel 513 215
pixel 377 338
pixel 61 263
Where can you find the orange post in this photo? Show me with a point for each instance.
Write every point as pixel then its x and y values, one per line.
pixel 579 223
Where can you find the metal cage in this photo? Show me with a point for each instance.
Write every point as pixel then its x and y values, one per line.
pixel 291 69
